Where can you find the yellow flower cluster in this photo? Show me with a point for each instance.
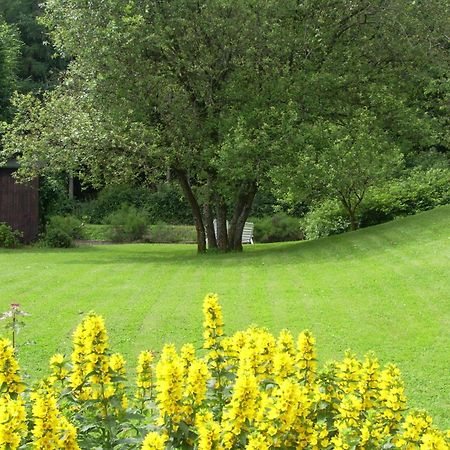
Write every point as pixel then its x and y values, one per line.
pixel 274 397
pixel 58 369
pixel 251 390
pixel 213 321
pixel 154 441
pixel 51 430
pixel 12 422
pixel 10 379
pixel 417 432
pixel 144 375
pixel 93 370
pixel 169 385
pixel 89 358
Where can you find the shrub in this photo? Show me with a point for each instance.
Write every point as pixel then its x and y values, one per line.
pixel 164 233
pixel 54 198
pixel 127 224
pixel 96 232
pixel 419 190
pixel 277 228
pixel 251 390
pixel 9 238
pixel 325 219
pixel 61 231
pixel 165 204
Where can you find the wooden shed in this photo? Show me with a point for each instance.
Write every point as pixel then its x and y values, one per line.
pixel 19 203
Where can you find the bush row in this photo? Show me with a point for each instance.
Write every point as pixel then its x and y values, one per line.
pixel 418 190
pixel 125 225
pixel 249 391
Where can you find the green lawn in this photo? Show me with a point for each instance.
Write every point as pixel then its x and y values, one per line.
pixel 384 288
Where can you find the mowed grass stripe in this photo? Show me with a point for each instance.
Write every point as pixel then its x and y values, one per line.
pixel 383 288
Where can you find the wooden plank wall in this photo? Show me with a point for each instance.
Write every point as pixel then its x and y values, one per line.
pixel 19 205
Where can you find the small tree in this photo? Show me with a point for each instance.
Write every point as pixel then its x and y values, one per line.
pixel 343 160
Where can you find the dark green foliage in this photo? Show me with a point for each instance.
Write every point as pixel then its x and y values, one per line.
pixel 277 228
pixel 61 231
pixel 9 52
pixel 37 64
pixel 9 238
pixel 95 232
pixel 54 198
pixel 164 233
pixel 420 190
pixel 325 219
pixel 264 204
pixel 128 224
pixel 164 204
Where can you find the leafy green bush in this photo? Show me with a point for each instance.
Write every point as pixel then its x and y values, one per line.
pixel 420 190
pixel 54 198
pixel 61 231
pixel 164 233
pixel 277 228
pixel 96 232
pixel 127 224
pixel 165 204
pixel 9 238
pixel 325 219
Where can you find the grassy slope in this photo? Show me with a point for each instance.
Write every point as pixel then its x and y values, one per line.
pixel 384 288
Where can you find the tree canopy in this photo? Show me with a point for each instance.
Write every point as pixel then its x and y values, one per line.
pixel 9 53
pixel 37 64
pixel 229 97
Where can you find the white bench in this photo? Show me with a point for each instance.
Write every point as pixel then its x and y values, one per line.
pixel 247 232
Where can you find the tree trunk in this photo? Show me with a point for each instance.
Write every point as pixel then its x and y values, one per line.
pixel 222 232
pixel 209 223
pixel 353 221
pixel 196 212
pixel 241 213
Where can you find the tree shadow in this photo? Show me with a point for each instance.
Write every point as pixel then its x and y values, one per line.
pixel 361 244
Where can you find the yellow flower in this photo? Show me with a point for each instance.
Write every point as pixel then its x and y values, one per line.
pixel 369 377
pixel 10 379
pixel 12 422
pixel 90 361
pixel 117 364
pixel 434 441
pixel 306 357
pixel 208 431
pixel 257 441
pixel 392 395
pixel 69 435
pixel 213 322
pixel 187 354
pixel 144 372
pixel 415 425
pixel 169 384
pixel 348 374
pixel 154 441
pixel 58 368
pixel 51 430
pixel 243 405
pixel 198 375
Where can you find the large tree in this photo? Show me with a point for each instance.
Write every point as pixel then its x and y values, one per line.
pixel 219 93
